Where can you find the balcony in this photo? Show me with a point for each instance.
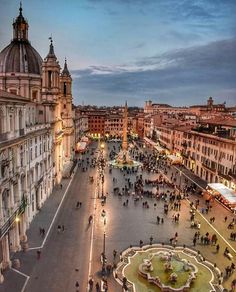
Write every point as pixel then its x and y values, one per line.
pixel 22 132
pixel 37 127
pixel 37 184
pixel 185 154
pixel 209 167
pixel 231 174
pixel 3 137
pixel 10 221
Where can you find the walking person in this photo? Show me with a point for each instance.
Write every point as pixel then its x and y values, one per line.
pixel 114 254
pixel 90 284
pixel 77 286
pixel 38 254
pixel 97 287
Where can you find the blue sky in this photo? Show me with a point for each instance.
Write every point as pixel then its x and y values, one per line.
pixel 171 51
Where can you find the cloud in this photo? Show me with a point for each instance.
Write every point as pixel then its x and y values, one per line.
pixel 181 76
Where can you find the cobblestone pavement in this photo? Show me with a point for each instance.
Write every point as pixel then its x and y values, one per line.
pixel 128 225
pixel 66 255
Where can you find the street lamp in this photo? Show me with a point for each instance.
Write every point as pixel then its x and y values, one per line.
pixel 180 173
pixel 102 164
pixel 59 163
pixel 104 243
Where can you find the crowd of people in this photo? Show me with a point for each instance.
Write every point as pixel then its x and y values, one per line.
pixel 164 187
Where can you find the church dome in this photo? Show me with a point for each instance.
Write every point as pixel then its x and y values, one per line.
pixel 19 56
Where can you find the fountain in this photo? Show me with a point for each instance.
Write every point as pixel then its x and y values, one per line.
pixel 123 159
pixel 168 269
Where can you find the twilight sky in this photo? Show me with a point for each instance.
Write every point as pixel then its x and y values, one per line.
pixel 170 51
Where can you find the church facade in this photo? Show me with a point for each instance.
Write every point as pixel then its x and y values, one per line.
pixel 36 134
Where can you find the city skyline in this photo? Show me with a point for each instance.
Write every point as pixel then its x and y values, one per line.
pixel 172 52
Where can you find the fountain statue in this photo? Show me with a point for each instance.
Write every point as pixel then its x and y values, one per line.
pixel 123 158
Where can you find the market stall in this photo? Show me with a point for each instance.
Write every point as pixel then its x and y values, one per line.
pixel 224 194
pixel 149 142
pixel 85 139
pixel 174 159
pixel 81 147
pixel 160 149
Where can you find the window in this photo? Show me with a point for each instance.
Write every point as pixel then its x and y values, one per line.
pixel 20 120
pixel 49 79
pixel 64 89
pixel 13 91
pixel 1 122
pixel 11 123
pixel 34 95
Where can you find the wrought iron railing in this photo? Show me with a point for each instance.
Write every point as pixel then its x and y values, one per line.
pixel 10 221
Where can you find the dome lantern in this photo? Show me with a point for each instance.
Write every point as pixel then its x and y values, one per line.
pixel 20 27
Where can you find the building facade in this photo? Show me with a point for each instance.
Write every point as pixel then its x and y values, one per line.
pixel 207 155
pixel 36 134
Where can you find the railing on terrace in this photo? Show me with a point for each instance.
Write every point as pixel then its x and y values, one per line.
pixel 3 137
pixel 10 221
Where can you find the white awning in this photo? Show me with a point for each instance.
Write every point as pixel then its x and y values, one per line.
pixel 174 159
pixel 84 139
pixel 149 141
pixel 81 146
pixel 160 149
pixel 227 193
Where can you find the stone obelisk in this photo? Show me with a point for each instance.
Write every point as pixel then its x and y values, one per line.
pixel 125 129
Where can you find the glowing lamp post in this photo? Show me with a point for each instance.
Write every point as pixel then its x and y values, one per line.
pixel 103 214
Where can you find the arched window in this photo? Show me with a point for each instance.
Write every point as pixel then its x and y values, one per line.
pixel 35 95
pixel 11 123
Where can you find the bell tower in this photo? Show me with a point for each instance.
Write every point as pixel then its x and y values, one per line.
pixel 53 108
pixel 67 118
pixel 50 76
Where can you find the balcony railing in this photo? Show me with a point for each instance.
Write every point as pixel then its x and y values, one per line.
pixel 3 137
pixel 22 132
pixel 10 221
pixel 39 182
pixel 209 167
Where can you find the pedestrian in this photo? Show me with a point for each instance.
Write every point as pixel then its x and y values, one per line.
pixel 233 285
pixel 226 218
pixel 114 254
pixel 97 287
pixel 77 286
pixel 91 283
pixel 194 241
pixel 151 240
pixel 217 248
pixel 38 254
pixel 63 228
pixel 61 186
pixel 58 228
